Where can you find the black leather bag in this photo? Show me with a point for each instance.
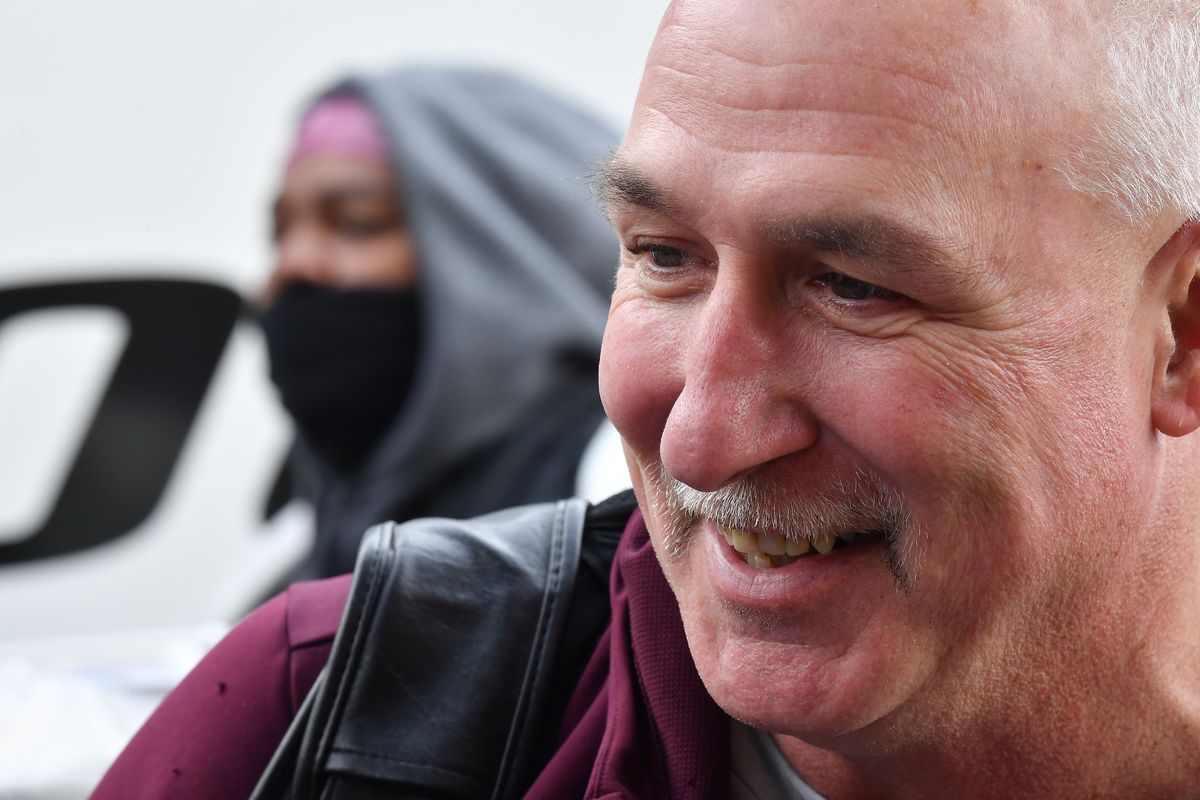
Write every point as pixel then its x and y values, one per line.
pixel 457 650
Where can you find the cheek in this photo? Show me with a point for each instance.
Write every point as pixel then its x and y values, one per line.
pixel 640 376
pixel 986 450
pixel 898 416
pixel 957 442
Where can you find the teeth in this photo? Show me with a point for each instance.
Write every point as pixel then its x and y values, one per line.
pixel 759 561
pixel 743 542
pixel 798 547
pixel 772 544
pixel 765 550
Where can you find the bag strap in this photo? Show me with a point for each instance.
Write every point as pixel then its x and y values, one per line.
pixel 437 681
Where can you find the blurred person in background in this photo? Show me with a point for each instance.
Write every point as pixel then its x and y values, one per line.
pixel 440 287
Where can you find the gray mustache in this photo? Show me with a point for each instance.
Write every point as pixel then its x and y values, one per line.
pixel 761 504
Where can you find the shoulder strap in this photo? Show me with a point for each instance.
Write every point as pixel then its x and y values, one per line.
pixel 438 674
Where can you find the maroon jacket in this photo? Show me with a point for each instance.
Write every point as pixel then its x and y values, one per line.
pixel 639 725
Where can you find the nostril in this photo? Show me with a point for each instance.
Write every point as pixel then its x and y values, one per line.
pixel 697 455
pixel 710 440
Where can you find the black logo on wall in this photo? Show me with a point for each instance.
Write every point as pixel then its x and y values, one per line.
pixel 178 331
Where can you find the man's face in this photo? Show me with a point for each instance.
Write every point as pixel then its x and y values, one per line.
pixel 856 301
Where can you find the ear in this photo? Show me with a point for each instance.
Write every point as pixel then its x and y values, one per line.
pixel 1175 401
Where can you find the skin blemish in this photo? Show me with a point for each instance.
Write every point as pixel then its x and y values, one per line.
pixel 222 686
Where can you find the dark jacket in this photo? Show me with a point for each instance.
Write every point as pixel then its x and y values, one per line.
pixel 635 722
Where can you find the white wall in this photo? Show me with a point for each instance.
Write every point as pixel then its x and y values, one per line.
pixel 141 133
pixel 143 137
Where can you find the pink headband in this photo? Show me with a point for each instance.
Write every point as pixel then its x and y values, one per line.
pixel 340 124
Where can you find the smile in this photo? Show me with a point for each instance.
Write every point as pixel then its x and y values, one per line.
pixel 771 550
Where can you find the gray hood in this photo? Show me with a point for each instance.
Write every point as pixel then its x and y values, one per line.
pixel 515 265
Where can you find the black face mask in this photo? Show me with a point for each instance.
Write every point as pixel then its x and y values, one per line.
pixel 343 361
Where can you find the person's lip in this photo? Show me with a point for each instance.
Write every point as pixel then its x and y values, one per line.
pixel 806 582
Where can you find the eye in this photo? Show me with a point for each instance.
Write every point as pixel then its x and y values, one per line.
pixel 666 257
pixel 360 216
pixel 661 256
pixel 365 227
pixel 846 288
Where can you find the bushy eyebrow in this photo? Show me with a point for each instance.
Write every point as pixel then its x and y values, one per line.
pixel 868 237
pixel 852 235
pixel 615 182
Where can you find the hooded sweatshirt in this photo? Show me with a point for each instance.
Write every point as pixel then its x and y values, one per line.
pixel 515 263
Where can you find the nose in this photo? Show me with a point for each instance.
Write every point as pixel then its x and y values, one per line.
pixel 301 255
pixel 742 402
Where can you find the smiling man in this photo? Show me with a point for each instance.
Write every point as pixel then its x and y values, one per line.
pixel 903 353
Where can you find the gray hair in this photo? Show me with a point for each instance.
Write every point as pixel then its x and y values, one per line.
pixel 1144 155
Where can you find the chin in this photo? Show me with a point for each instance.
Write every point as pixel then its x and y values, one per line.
pixel 811 702
pixel 817 691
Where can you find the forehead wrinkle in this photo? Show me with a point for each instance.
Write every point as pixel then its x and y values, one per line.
pixel 780 107
pixel 802 110
pixel 808 149
pixel 712 48
pixel 802 42
pixel 939 63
